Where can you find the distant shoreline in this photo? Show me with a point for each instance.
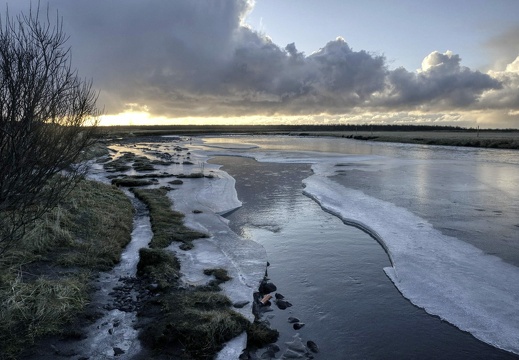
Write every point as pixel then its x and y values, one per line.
pixel 427 135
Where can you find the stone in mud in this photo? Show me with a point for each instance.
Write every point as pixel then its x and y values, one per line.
pixel 279 296
pixel 298 325
pixel 283 304
pixel 267 287
pixel 312 346
pixel 293 320
pixel 118 351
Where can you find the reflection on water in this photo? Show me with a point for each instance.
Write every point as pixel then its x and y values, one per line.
pixel 332 274
pixel 467 193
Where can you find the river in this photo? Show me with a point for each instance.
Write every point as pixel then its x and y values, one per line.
pixel 447 230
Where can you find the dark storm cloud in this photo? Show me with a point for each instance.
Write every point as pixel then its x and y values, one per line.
pixel 197 58
pixel 442 82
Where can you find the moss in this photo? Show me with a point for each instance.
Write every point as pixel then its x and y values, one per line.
pixel 167 225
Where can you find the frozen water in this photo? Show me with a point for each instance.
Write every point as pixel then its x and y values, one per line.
pixel 475 291
pixel 400 195
pixel 394 192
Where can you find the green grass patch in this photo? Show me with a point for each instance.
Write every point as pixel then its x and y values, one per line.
pixel 167 224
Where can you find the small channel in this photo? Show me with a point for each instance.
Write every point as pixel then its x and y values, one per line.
pixel 333 275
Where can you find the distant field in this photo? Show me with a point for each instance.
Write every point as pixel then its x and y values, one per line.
pixel 450 136
pixel 487 139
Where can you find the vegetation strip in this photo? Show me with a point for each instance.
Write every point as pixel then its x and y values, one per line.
pixel 167 224
pixel 193 322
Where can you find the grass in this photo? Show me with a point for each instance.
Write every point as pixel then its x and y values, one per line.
pixel 37 308
pixel 195 323
pixel 198 322
pixel 167 224
pixel 160 266
pixel 130 181
pixel 44 279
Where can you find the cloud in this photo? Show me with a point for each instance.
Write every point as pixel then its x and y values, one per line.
pixel 441 83
pixel 197 58
pixel 504 47
pixel 507 98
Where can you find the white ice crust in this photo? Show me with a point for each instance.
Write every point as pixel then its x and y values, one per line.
pixel 244 260
pixel 454 280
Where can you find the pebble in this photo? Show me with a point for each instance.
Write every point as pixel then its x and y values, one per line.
pixel 293 320
pixel 298 325
pixel 312 346
pixel 118 351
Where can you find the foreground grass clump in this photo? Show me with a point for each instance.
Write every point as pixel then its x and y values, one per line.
pixel 193 323
pixel 167 225
pixel 31 309
pixel 160 266
pixel 197 322
pixel 99 219
pixel 44 278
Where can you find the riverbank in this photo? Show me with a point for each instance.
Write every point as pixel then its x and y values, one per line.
pixel 46 280
pixel 178 305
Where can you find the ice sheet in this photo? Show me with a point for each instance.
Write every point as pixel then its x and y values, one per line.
pixel 476 292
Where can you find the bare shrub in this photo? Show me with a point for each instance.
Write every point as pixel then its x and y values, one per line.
pixel 47 119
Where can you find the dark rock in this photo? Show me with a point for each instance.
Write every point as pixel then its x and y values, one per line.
pixel 197 211
pixel 176 182
pixel 118 351
pixel 279 296
pixel 240 304
pixel 298 325
pixel 312 346
pixel 267 288
pixel 283 304
pixel 293 320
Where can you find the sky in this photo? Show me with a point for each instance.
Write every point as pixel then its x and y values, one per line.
pixel 201 62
